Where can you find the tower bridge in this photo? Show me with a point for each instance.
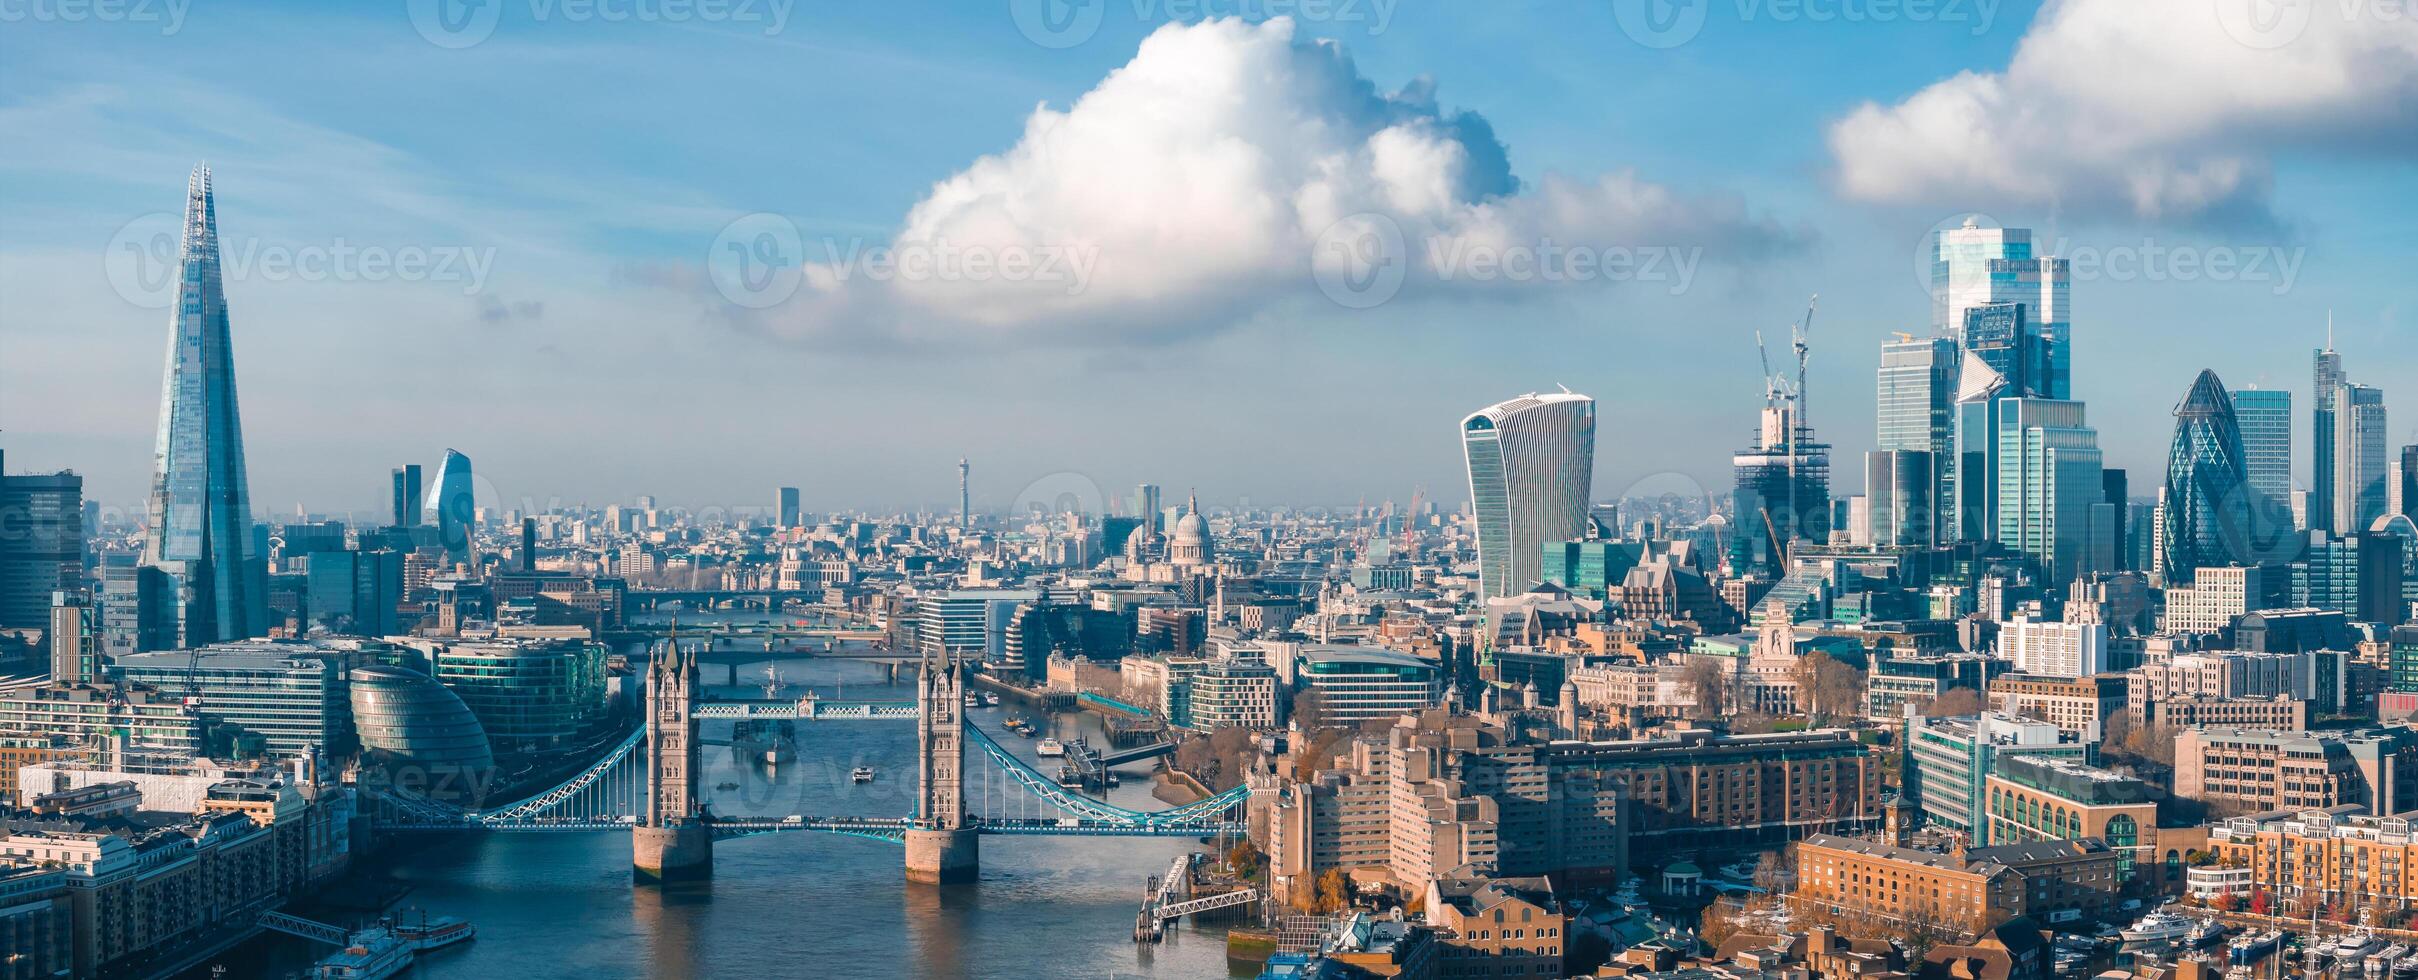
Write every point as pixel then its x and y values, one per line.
pixel 967 786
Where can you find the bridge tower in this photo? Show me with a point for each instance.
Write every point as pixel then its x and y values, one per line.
pixel 671 841
pixel 941 847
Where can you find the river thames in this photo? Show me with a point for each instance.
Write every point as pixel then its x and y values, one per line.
pixel 792 904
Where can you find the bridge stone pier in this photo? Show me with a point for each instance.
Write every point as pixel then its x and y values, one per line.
pixel 941 848
pixel 672 841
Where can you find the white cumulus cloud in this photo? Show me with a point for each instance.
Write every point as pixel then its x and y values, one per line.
pixel 2168 110
pixel 1192 187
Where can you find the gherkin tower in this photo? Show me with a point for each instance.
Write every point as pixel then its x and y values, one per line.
pixel 2207 518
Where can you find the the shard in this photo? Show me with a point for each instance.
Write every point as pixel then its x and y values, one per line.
pixel 201 513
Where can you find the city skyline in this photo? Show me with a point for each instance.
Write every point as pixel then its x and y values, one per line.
pixel 563 294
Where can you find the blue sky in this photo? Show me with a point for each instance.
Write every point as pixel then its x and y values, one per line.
pixel 568 183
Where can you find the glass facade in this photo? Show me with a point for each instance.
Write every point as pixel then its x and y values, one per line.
pixel 2360 458
pixel 2265 418
pixel 288 697
pixel 529 695
pixel 201 511
pixel 453 508
pixel 1531 467
pixel 2051 496
pixel 2206 511
pixel 1975 266
pixel 1917 401
pixel 408 719
pixel 2325 382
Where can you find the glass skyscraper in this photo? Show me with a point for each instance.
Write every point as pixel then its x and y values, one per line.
pixel 201 511
pixel 1781 494
pixel 2360 458
pixel 2265 416
pixel 453 507
pixel 2325 382
pixel 1531 466
pixel 1918 413
pixel 2052 496
pixel 2206 512
pixel 1976 266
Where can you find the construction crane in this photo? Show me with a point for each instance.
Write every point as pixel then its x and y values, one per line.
pixel 1798 337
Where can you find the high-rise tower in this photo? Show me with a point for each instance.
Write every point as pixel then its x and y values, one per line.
pixel 2207 510
pixel 2360 458
pixel 965 498
pixel 1976 266
pixel 454 507
pixel 2325 384
pixel 2265 415
pixel 1531 465
pixel 201 509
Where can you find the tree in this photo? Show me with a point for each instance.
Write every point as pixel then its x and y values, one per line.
pixel 1828 688
pixel 1244 860
pixel 1334 892
pixel 1954 702
pixel 1708 682
pixel 1310 709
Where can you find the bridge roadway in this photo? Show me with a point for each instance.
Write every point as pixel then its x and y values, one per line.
pixel 892 829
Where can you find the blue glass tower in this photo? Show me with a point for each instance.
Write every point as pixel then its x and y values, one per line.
pixel 453 507
pixel 201 511
pixel 2208 497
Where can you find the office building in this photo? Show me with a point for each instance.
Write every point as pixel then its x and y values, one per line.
pixel 75 647
pixel 2077 704
pixel 2207 516
pixel 2349 856
pixel 2264 416
pixel 1917 406
pixel 354 592
pixel 282 697
pixel 2053 649
pixel 1967 891
pixel 2409 482
pixel 2252 769
pixel 2316 676
pixel 1361 683
pixel 454 508
pixel 2215 598
pixel 1781 495
pixel 1974 266
pixel 137 611
pixel 2051 489
pixel 1948 760
pixel 785 507
pixel 1227 692
pixel 2360 462
pixel 407 492
pixel 201 510
pixel 407 719
pixel 41 545
pixel 1493 927
pixel 531 695
pixel 2325 392
pixel 1531 464
pixel 968 623
pixel 1901 494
